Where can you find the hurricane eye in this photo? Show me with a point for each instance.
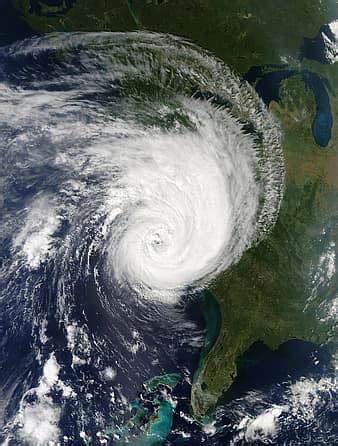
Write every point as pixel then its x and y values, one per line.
pixel 157 240
pixel 174 154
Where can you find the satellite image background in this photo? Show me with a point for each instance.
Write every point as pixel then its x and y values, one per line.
pixel 168 222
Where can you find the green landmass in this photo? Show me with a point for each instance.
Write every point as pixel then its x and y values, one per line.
pixel 241 32
pixel 268 296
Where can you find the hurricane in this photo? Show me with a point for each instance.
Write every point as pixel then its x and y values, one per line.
pixel 136 168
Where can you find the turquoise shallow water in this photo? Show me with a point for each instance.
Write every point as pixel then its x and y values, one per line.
pixel 160 428
pixel 213 321
pixel 155 425
pixel 153 419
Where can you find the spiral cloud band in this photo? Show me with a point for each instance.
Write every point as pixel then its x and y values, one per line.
pixel 168 166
